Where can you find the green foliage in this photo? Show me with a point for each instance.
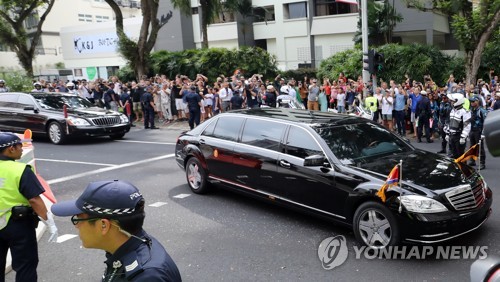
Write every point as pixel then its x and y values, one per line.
pixel 349 62
pixel 213 62
pixel 126 73
pixel 18 81
pixel 415 60
pixel 299 74
pixel 59 65
pixel 491 58
pixel 382 18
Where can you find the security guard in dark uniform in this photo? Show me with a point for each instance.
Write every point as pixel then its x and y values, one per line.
pixel 459 128
pixel 19 201
pixel 193 101
pixel 148 109
pixel 109 215
pixel 478 115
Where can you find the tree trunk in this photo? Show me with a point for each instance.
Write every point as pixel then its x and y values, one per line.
pixel 473 57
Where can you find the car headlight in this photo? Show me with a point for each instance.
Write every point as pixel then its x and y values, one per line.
pixel 123 118
pixel 421 204
pixel 77 121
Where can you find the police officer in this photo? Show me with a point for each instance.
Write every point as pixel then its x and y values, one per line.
pixel 38 87
pixel 19 197
pixel 71 88
pixel 3 88
pixel 478 115
pixel 444 121
pixel 371 103
pixel 459 127
pixel 423 112
pixel 109 215
pixel 193 101
pixel 148 107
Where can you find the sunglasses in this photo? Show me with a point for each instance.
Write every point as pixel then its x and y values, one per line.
pixel 75 219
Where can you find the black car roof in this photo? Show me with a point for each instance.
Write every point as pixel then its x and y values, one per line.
pixel 301 116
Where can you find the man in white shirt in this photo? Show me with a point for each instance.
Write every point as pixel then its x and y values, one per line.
pixel 225 95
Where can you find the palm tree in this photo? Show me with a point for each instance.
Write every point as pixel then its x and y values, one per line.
pixel 382 19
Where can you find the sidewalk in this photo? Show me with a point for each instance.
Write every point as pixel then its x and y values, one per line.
pixel 177 125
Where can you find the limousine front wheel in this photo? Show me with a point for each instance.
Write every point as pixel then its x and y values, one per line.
pixel 56 133
pixel 196 176
pixel 375 226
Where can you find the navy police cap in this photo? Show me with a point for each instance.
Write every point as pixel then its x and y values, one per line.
pixel 8 139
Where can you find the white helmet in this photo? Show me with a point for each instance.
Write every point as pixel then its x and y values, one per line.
pixel 2 81
pixel 70 84
pixel 37 83
pixel 457 99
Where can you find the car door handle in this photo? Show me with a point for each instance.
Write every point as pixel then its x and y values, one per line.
pixel 285 164
pixel 202 141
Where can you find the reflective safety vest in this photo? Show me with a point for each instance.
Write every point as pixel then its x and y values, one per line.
pixel 371 103
pixel 10 177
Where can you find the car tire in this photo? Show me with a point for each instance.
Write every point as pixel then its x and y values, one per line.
pixel 196 176
pixel 56 133
pixel 375 226
pixel 117 136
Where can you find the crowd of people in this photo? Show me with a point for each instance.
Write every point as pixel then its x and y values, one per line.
pixel 421 108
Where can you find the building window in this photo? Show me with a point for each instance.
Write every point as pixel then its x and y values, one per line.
pixel 264 14
pixel 295 10
pixel 84 18
pixel 225 17
pixel 330 7
pixel 100 19
pixel 32 21
pixel 194 11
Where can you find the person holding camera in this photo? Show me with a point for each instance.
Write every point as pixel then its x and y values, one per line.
pixel 21 207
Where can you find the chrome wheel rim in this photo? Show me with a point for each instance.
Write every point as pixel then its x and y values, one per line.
pixel 55 133
pixel 194 176
pixel 375 229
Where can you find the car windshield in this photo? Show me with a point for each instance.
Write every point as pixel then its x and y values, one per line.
pixel 57 102
pixel 361 142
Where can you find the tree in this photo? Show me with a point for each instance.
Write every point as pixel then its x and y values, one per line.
pixel 382 19
pixel 13 31
pixel 472 25
pixel 137 52
pixel 209 11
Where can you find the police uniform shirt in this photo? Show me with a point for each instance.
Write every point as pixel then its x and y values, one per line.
pixel 192 100
pixel 29 186
pixel 146 100
pixel 138 260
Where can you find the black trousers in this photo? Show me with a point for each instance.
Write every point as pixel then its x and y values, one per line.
pixel 149 117
pixel 20 237
pixel 400 122
pixel 423 122
pixel 443 138
pixel 456 148
pixel 194 117
pixel 474 137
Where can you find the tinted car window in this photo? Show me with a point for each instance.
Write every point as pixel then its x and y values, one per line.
pixel 8 97
pixel 301 144
pixel 25 100
pixel 209 131
pixel 355 143
pixel 263 134
pixel 58 102
pixel 228 128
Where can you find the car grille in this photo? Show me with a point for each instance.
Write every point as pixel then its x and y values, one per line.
pixel 467 197
pixel 106 120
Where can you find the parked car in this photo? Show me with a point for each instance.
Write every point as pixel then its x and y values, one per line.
pixel 59 116
pixel 333 165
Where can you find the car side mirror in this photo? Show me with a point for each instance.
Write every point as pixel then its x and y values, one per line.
pixel 315 160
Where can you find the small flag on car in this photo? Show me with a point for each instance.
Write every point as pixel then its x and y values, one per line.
pixel 392 180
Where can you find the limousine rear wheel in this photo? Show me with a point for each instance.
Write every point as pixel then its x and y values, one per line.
pixel 196 176
pixel 56 133
pixel 375 226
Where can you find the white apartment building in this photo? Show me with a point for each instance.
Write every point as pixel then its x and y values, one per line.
pixel 50 51
pixel 300 33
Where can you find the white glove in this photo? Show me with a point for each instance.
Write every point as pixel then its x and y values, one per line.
pixel 482 137
pixel 462 140
pixel 51 225
pixel 447 138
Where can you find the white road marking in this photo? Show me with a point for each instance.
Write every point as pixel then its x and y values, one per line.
pixel 157 204
pixel 145 142
pixel 182 196
pixel 73 162
pixel 105 169
pixel 65 237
